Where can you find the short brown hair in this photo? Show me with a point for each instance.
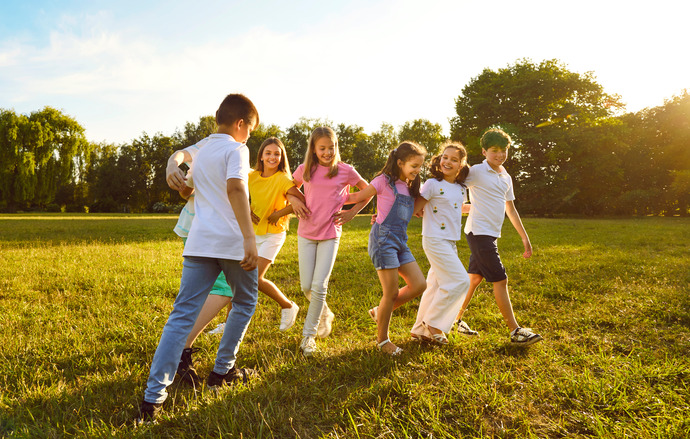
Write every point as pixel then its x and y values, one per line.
pixel 495 137
pixel 235 107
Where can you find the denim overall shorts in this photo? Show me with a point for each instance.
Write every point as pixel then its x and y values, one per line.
pixel 388 240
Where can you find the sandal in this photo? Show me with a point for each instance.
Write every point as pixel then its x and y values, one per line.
pixel 373 313
pixel 439 338
pixel 397 351
pixel 420 338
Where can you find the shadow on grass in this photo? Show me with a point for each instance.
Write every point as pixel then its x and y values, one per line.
pixel 294 396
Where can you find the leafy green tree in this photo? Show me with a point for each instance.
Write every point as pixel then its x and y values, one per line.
pixel 428 134
pixel 551 113
pixel 192 132
pixel 657 158
pixel 39 154
pixel 369 158
pixel 106 190
pixel 349 138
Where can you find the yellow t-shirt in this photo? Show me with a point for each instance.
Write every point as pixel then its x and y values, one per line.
pixel 268 195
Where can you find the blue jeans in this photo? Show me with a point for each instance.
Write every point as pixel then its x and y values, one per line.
pixel 198 276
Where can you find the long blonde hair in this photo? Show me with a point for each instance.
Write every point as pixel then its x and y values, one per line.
pixel 310 158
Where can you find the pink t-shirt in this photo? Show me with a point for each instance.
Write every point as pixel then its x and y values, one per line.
pixel 325 196
pixel 385 197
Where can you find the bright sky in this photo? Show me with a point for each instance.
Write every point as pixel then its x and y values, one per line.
pixel 124 67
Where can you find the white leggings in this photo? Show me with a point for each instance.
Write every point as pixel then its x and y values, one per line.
pixel 446 286
pixel 316 259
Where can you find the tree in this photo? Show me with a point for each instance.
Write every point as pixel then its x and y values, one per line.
pixel 369 158
pixel 106 191
pixel 430 135
pixel 194 132
pixel 349 137
pixel 39 154
pixel 552 115
pixel 657 158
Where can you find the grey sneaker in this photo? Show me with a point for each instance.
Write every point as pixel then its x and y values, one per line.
pixel 308 346
pixel 325 322
pixel 524 337
pixel 288 317
pixel 464 329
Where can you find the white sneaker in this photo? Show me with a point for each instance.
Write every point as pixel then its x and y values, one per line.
pixel 524 337
pixel 308 346
pixel 219 329
pixel 464 329
pixel 325 322
pixel 288 317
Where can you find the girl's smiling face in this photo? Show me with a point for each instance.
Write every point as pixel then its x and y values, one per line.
pixel 450 164
pixel 410 169
pixel 271 158
pixel 325 150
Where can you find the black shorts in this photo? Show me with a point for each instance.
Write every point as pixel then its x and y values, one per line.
pixel 484 259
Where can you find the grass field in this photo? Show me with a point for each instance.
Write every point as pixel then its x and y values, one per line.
pixel 83 299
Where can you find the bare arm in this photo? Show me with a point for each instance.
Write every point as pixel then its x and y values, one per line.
pixel 514 217
pixel 297 203
pixel 466 207
pixel 419 204
pixel 173 174
pixel 239 200
pixel 186 192
pixel 365 194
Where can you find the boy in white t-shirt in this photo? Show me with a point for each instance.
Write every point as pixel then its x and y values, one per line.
pixel 221 239
pixel 491 195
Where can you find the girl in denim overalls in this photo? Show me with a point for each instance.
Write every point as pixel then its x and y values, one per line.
pixel 397 187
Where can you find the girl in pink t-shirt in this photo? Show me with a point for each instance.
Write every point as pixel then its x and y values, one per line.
pixel 396 187
pixel 326 182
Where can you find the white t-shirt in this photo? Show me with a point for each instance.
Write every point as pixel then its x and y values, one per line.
pixel 489 191
pixel 215 232
pixel 443 212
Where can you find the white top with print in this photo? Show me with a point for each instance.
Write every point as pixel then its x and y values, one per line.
pixel 443 212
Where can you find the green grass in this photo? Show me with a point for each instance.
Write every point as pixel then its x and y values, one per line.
pixel 83 299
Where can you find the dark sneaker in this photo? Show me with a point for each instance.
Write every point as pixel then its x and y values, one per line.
pixel 464 329
pixel 524 337
pixel 149 413
pixel 234 375
pixel 186 369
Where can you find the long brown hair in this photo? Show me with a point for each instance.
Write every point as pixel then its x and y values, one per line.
pixel 283 166
pixel 404 152
pixel 435 167
pixel 310 159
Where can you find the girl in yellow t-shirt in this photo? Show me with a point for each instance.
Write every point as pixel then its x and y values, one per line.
pixel 270 187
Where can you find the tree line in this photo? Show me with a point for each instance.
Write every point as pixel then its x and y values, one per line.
pixel 574 151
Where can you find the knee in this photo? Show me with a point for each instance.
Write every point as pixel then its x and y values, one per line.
pixel 318 295
pixel 418 287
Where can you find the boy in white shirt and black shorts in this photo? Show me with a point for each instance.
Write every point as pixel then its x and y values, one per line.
pixel 491 195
